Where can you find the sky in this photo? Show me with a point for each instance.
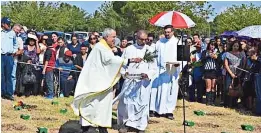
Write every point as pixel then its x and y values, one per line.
pixel 220 6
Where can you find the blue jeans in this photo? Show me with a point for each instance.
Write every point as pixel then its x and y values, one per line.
pixel 14 75
pixel 7 63
pixel 258 93
pixel 66 85
pixel 198 84
pixel 228 81
pixel 49 83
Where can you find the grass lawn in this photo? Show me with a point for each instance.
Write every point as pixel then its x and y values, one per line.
pixel 217 120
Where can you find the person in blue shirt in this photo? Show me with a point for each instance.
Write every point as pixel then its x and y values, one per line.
pixel 75 46
pixel 67 81
pixel 8 50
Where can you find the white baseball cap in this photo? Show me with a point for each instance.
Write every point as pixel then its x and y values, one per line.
pixel 32 36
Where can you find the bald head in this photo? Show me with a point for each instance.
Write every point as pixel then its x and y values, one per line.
pixel 142 37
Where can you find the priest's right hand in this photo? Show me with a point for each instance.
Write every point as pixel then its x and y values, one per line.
pixel 144 76
pixel 136 60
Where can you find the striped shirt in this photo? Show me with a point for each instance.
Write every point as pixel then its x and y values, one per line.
pixel 210 63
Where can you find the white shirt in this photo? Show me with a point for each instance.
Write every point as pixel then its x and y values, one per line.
pixel 41 55
pixel 20 46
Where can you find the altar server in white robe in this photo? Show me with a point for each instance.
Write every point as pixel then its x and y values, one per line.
pixel 133 107
pixel 165 87
pixel 93 93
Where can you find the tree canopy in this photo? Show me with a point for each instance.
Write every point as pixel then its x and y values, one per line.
pixel 46 15
pixel 237 17
pixel 127 16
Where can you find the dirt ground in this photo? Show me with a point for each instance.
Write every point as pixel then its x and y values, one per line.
pixel 216 120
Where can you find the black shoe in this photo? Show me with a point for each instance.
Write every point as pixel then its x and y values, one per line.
pixel 85 129
pixel 156 115
pixel 152 114
pixel 208 98
pixel 213 98
pixel 3 97
pixel 169 116
pixel 141 131
pixel 103 130
pixel 89 129
pixel 11 98
pixel 123 129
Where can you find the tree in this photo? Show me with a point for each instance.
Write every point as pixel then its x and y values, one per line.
pixel 128 16
pixel 237 17
pixel 46 15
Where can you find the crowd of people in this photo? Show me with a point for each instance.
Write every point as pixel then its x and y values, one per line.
pixel 225 68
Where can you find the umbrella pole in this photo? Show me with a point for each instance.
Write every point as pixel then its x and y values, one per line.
pixel 183 85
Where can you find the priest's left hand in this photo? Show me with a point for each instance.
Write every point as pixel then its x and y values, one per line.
pixel 70 77
pixel 114 50
pixel 144 76
pixel 176 65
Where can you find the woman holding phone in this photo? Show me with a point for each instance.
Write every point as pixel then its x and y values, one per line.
pixel 209 59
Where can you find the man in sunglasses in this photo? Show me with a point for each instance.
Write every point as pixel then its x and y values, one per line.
pixel 97 35
pixel 134 105
pixel 150 42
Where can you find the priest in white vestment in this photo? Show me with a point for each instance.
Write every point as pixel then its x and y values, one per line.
pixel 133 107
pixel 93 93
pixel 165 87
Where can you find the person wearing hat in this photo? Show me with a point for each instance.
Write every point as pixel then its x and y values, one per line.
pixel 65 64
pixel 8 48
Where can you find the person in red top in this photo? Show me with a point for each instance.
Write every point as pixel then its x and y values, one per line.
pixel 55 39
pixel 49 62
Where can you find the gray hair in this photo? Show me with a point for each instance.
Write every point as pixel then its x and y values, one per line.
pixel 140 32
pixel 207 39
pixel 107 32
pixel 18 25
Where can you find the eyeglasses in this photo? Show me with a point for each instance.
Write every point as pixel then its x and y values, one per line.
pixel 142 39
pixel 149 40
pixel 93 38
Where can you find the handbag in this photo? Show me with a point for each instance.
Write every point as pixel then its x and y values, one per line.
pixel 29 77
pixel 235 88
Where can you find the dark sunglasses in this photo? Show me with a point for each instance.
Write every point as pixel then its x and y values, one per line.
pixel 93 38
pixel 149 40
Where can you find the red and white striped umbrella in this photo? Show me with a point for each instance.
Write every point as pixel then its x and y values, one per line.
pixel 176 19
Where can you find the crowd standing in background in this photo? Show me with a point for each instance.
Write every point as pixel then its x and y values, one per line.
pixel 38 65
